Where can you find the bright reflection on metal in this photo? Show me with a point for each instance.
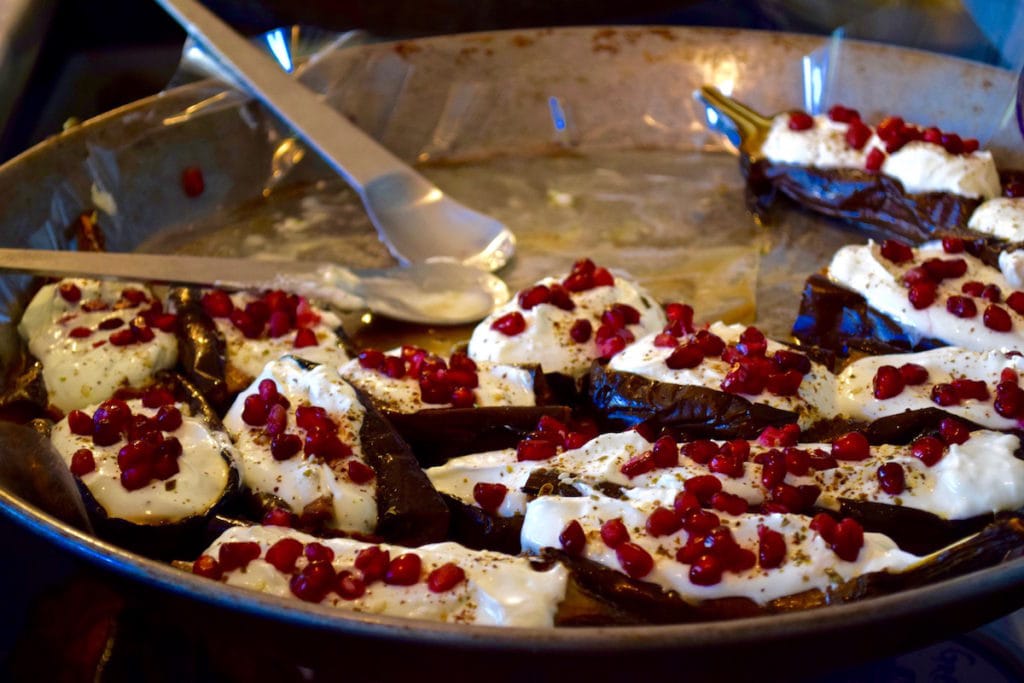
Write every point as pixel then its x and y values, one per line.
pixel 366 318
pixel 557 113
pixel 434 195
pixel 278 44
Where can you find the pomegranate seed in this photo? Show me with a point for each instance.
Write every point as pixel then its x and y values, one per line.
pixel 463 397
pixel 942 269
pixel 581 330
pixel 192 182
pixel 560 298
pixel 892 478
pixel 603 278
pixel 896 251
pixel 952 143
pixel 360 473
pixel 932 135
pixel 698 521
pixel 682 313
pixel 277 419
pixel 80 333
pixel 848 539
pixel 788 496
pixel 283 554
pixel 1016 302
pixel 729 503
pixel 635 561
pixel 535 449
pixel 784 383
pixel 277 517
pixel 952 245
pixel 857 135
pixel 917 274
pixel 237 555
pixel 927 449
pixel 972 288
pixel 890 127
pixel 446 577
pixel 663 522
pixel 773 471
pixel 798 462
pixel 710 344
pixel 913 374
pixel 825 525
pixel 208 567
pixel 165 466
pixel 997 319
pixel 953 431
pixel 700 452
pixel 123 338
pixel 217 304
pixel 285 446
pixel 254 411
pixel 684 502
pixel 791 360
pixel 706 570
pixel 665 452
pixel 945 395
pixel 371 359
pixel 851 446
pixel 874 159
pixel 572 538
pixel 404 570
pixel 318 552
pixel 968 389
pixel 510 324
pixel 887 383
pixel 578 282
pixel 841 114
pixel 349 586
pixel 614 533
pixel 685 356
pixel 637 465
pixel 82 462
pixel 922 294
pixel 278 325
pixel 70 292
pixel 786 435
pixel 534 296
pixel 771 548
pixel 267 390
pixel 110 324
pixel 961 307
pixel 373 563
pixel 313 582
pixel 800 120
pixel 168 418
pixel 80 423
pixel 704 487
pixel 305 337
pixel 992 293
pixel 135 478
pixel 727 464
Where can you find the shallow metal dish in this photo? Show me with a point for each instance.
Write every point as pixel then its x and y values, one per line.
pixel 476 97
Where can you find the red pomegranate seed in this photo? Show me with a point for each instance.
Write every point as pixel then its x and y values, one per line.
pixel 578 282
pixel 445 577
pixel 952 245
pixel 277 517
pixel 773 469
pixel 123 338
pixel 135 478
pixel 602 277
pixel 313 582
pixel 283 554
pixel 663 522
pixel 706 570
pixel 798 462
pixel 825 525
pixel 952 143
pixel 848 539
pixel 727 464
pixel 961 307
pixel 800 120
pixel 997 319
pixel 217 304
pixel 70 292
pixel 82 462
pixel 790 497
pixel 941 269
pixel 896 251
pixel 404 570
pixel 614 533
pixel 685 356
pixel 703 487
pixel 892 478
pixel 784 383
pixel 572 538
pixel 349 586
pixel 510 324
pixel 237 555
pixel 373 563
pixel 360 473
pixel 932 135
pixel 851 446
pixel 729 503
pixel 922 294
pixel 560 298
pixel 463 397
pixel 638 465
pixel 710 344
pixel 581 330
pixel 917 274
pixel 305 337
pixel 208 567
pixel 489 496
pixel 698 521
pixel 165 466
pixel 945 395
pixel 841 114
pixel 534 296
pixel 318 552
pixel 635 561
pixel 110 324
pixel 285 446
pixel 192 182
pixel 1016 302
pixel 972 288
pixel 277 419
pixel 168 418
pixel 953 431
pixel 771 548
pixel 968 389
pixel 786 435
pixel 887 383
pixel 700 452
pixel 791 360
pixel 371 359
pixel 80 423
pixel 857 135
pixel 913 374
pixel 874 159
pixel 536 449
pixel 682 313
pixel 992 293
pixel 684 502
pixel 927 449
pixel 254 411
pixel 665 452
pixel 80 333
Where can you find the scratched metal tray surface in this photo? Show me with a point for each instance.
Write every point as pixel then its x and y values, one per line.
pixel 586 142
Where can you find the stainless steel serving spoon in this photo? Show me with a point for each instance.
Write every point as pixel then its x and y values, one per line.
pixel 414 219
pixel 435 293
pixel 745 128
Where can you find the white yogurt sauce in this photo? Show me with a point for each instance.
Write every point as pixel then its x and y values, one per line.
pixel 197 487
pixel 813 401
pixel 862 269
pixel 499 590
pixel 299 480
pixel 546 338
pixel 499 385
pixel 1011 265
pixel 1002 217
pixel 919 166
pixel 82 371
pixel 250 355
pixel 856 397
pixel 809 562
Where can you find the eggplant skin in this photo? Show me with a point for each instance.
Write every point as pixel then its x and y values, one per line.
pixel 839 320
pixel 410 511
pixel 436 435
pixel 202 353
pixel 24 396
pixel 164 541
pixel 899 429
pixel 872 201
pixel 475 528
pixel 624 400
pixel 915 531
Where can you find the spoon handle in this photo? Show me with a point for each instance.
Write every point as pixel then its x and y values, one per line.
pixel 330 133
pixel 751 126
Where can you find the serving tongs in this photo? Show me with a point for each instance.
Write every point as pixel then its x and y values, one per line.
pixel 434 293
pixel 744 127
pixel 413 217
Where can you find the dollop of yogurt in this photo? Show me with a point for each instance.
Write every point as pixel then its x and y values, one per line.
pixel 300 480
pixel 863 269
pixel 919 166
pixel 546 340
pixel 498 590
pixel 71 334
pixel 1001 217
pixel 199 485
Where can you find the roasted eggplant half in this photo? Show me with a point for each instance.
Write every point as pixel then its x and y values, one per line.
pixel 307 439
